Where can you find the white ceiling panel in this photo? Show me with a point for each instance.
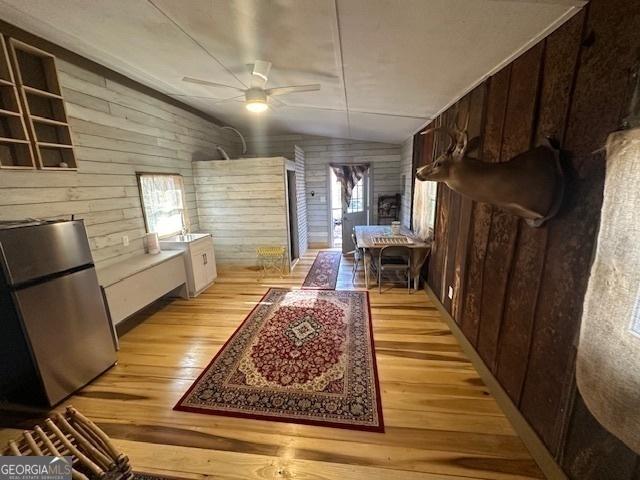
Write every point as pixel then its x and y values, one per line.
pixel 417 58
pixel 385 66
pixel 384 128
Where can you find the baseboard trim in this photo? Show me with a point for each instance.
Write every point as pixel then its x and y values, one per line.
pixel 529 437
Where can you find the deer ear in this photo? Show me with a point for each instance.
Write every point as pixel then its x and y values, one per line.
pixel 473 145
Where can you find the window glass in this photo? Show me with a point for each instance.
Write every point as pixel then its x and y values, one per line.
pixel 424 208
pixel 357 198
pixel 163 203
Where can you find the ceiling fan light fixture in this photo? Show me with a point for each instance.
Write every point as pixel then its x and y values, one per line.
pixel 256 106
pixel 256 100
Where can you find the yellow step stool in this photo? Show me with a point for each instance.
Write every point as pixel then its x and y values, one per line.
pixel 271 259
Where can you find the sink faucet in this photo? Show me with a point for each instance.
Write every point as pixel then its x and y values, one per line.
pixel 184 230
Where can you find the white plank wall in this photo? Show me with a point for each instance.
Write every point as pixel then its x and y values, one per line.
pixel 319 152
pixel 303 233
pixel 242 203
pixel 117 131
pixel 406 172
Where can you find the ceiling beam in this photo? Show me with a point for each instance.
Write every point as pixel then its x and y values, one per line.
pixel 341 55
pixel 566 3
pixel 365 112
pixel 196 42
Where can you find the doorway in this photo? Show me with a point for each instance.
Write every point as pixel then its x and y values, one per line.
pixel 342 218
pixel 292 201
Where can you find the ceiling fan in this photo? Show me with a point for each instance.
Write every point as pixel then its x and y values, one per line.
pixel 257 96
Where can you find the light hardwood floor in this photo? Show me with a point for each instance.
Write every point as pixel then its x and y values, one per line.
pixel 441 422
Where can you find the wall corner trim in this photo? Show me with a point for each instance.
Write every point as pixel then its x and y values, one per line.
pixel 529 437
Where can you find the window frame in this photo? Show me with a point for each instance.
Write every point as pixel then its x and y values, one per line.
pixel 360 187
pixel 185 216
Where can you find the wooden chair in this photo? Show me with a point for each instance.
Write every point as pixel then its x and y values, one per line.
pixel 358 256
pixel 394 259
pixel 72 434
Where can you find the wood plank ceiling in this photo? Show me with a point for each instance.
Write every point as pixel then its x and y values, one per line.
pixel 385 66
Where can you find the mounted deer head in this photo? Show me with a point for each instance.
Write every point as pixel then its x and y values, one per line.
pixel 529 185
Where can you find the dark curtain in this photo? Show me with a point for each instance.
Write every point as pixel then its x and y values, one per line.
pixel 348 176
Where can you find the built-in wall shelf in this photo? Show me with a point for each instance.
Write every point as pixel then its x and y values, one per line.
pixel 43 107
pixel 41 93
pixel 48 121
pixel 12 140
pixel 9 113
pixel 16 151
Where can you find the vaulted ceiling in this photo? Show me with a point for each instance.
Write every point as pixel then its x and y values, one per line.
pixel 385 66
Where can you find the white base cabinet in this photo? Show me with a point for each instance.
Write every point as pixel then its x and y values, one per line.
pixel 199 259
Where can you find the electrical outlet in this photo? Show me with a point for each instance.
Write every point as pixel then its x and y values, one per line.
pixel 450 292
pixel 323 199
pixel 125 240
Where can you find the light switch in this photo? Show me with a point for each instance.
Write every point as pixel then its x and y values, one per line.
pixel 323 199
pixel 125 240
pixel 450 292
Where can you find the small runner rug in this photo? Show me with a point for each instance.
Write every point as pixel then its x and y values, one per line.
pixel 324 272
pixel 301 357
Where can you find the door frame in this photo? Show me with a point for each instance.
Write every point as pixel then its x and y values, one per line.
pixel 288 165
pixel 292 208
pixel 368 206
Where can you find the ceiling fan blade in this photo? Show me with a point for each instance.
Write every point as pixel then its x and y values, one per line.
pixel 293 89
pixel 207 83
pixel 217 100
pixel 276 104
pixel 248 67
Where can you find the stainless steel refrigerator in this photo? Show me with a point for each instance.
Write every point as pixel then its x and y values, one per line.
pixel 55 335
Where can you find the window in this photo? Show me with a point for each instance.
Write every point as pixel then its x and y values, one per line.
pixel 357 198
pixel 424 208
pixel 162 197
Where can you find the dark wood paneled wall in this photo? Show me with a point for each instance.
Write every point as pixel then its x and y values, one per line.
pixel 518 291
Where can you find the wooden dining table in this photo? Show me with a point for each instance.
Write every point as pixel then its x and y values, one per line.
pixel 368 238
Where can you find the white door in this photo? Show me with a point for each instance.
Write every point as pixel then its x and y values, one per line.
pixel 357 213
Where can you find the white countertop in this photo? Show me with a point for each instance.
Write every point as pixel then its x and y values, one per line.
pixel 186 238
pixel 111 274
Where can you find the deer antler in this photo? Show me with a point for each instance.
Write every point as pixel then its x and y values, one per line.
pixel 458 138
pixel 462 138
pixel 448 131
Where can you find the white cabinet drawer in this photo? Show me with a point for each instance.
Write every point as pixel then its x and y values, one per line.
pixel 201 245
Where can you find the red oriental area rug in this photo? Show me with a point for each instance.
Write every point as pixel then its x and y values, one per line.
pixel 323 274
pixel 300 356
